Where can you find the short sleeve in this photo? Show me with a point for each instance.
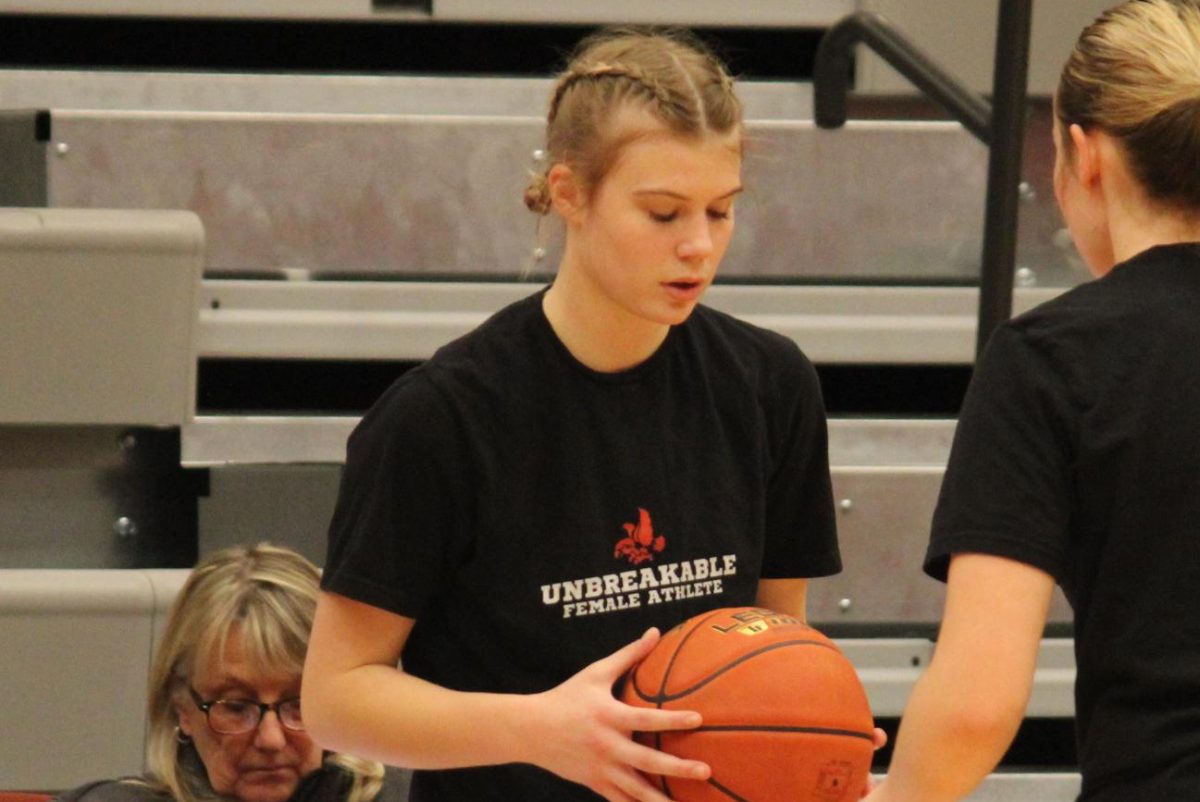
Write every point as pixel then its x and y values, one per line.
pixel 801 529
pixel 402 519
pixel 1007 488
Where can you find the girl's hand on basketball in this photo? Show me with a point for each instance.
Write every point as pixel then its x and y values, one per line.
pixel 584 734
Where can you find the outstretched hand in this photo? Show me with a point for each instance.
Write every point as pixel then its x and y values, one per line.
pixel 586 734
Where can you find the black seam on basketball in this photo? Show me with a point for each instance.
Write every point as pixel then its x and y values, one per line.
pixel 785 728
pixel 646 697
pixel 728 792
pixel 662 698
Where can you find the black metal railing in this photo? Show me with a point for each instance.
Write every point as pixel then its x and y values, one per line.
pixel 1000 125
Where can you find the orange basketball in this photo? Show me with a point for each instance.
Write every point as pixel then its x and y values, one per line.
pixel 785 716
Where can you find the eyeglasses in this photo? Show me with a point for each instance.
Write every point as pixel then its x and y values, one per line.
pixel 238 716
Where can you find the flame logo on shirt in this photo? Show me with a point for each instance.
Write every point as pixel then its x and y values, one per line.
pixel 640 544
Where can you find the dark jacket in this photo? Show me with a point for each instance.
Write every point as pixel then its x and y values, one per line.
pixel 330 783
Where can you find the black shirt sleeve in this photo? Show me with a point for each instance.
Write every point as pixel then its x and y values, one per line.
pixel 801 528
pixel 1007 489
pixel 401 522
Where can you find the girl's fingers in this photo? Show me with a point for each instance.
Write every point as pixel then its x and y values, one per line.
pixel 640 719
pixel 620 661
pixel 638 787
pixel 652 761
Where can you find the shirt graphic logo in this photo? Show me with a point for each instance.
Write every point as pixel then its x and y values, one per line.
pixel 640 543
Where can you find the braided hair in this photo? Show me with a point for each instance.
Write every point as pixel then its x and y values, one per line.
pixel 668 73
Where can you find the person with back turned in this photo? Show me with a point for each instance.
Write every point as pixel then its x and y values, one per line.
pixel 1077 454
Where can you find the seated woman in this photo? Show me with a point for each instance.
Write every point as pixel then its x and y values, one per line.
pixel 224 700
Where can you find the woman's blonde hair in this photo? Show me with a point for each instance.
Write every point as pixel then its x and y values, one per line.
pixel 667 72
pixel 1135 74
pixel 269 595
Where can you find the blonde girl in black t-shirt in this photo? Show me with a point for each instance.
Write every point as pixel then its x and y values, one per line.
pixel 690 408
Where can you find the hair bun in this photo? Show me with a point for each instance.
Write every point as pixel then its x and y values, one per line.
pixel 537 194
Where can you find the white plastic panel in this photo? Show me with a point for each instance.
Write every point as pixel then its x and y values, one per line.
pixel 777 13
pixel 73 671
pixel 410 320
pixel 97 314
pixel 268 93
pixel 774 13
pixel 233 9
pixel 422 196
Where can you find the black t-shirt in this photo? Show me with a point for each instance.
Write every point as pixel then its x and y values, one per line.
pixel 533 515
pixel 1078 452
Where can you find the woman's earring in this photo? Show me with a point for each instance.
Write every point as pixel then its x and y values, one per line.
pixel 181 738
pixel 538 253
pixel 538 200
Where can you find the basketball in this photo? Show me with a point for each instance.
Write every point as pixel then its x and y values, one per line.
pixel 785 716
